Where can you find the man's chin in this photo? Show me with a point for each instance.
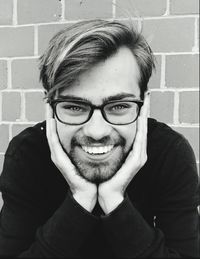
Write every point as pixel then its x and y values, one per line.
pixel 97 173
pixel 98 170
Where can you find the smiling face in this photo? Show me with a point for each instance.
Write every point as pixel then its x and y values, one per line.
pixel 98 148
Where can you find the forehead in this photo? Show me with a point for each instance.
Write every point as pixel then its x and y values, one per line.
pixel 117 74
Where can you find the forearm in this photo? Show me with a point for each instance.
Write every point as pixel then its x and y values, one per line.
pixel 130 236
pixel 62 235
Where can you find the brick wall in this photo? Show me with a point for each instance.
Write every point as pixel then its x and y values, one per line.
pixel 171 27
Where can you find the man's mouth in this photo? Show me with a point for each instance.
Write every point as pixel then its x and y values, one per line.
pixel 97 150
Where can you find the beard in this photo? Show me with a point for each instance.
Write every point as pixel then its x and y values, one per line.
pixel 98 171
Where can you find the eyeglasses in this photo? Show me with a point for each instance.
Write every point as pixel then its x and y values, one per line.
pixel 75 112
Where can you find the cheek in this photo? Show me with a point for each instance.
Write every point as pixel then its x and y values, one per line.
pixel 65 134
pixel 128 133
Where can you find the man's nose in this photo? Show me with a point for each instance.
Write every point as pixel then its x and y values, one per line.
pixel 97 127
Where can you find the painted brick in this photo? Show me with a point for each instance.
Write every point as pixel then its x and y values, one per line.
pixel 35 109
pixel 192 135
pixel 17 128
pixel 3 74
pixel 25 74
pixel 11 106
pixel 182 71
pixel 38 11
pixel 162 106
pixel 77 9
pixel 154 81
pixel 6 7
pixel 16 41
pixel 184 7
pixel 4 137
pixel 170 35
pixel 45 33
pixel 189 107
pixel 126 8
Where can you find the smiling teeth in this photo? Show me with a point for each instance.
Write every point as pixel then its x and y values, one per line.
pixel 97 150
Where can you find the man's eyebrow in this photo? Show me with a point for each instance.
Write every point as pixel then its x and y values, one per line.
pixel 74 98
pixel 106 99
pixel 118 97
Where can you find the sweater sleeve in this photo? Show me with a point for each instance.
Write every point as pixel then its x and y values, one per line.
pixel 22 230
pixel 176 229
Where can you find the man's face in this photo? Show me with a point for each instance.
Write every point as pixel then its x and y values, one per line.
pixel 98 148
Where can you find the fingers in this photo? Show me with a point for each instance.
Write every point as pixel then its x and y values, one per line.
pixel 52 136
pixel 139 145
pixel 58 155
pixel 138 155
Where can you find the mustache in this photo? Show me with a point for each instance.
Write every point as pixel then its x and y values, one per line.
pixel 106 140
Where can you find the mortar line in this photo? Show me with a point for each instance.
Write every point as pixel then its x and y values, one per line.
pixel 196 45
pixel 184 125
pixel 22 115
pixel 163 71
pixel 9 74
pixel 176 108
pixel 108 19
pixel 14 17
pixel 62 10
pixel 10 131
pixel 35 40
pixel 114 9
pixel 167 13
pixel 173 89
pixel 19 90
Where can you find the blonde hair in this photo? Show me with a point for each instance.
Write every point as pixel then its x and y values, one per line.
pixel 77 48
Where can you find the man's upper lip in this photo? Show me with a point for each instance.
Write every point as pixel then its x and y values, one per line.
pixel 98 145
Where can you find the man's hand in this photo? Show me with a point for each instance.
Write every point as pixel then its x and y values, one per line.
pixel 111 192
pixel 84 192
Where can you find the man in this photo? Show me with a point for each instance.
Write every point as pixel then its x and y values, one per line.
pixel 99 179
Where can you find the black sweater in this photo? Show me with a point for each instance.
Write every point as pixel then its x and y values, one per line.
pixel 158 217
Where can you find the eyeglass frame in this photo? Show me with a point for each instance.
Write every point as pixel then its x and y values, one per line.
pixel 54 102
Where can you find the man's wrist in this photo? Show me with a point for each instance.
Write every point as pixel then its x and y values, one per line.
pixel 85 200
pixel 110 202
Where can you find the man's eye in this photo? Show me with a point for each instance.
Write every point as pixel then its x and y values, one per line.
pixel 119 107
pixel 73 108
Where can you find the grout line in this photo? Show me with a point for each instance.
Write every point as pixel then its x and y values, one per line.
pixel 163 71
pixel 109 19
pixel 14 18
pixel 176 108
pixel 184 125
pixel 63 10
pixel 22 57
pixel 20 90
pixel 114 9
pixel 23 117
pixel 176 53
pixel 172 89
pixel 18 122
pixel 196 38
pixel 167 13
pixel 9 131
pixel 9 73
pixel 36 40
